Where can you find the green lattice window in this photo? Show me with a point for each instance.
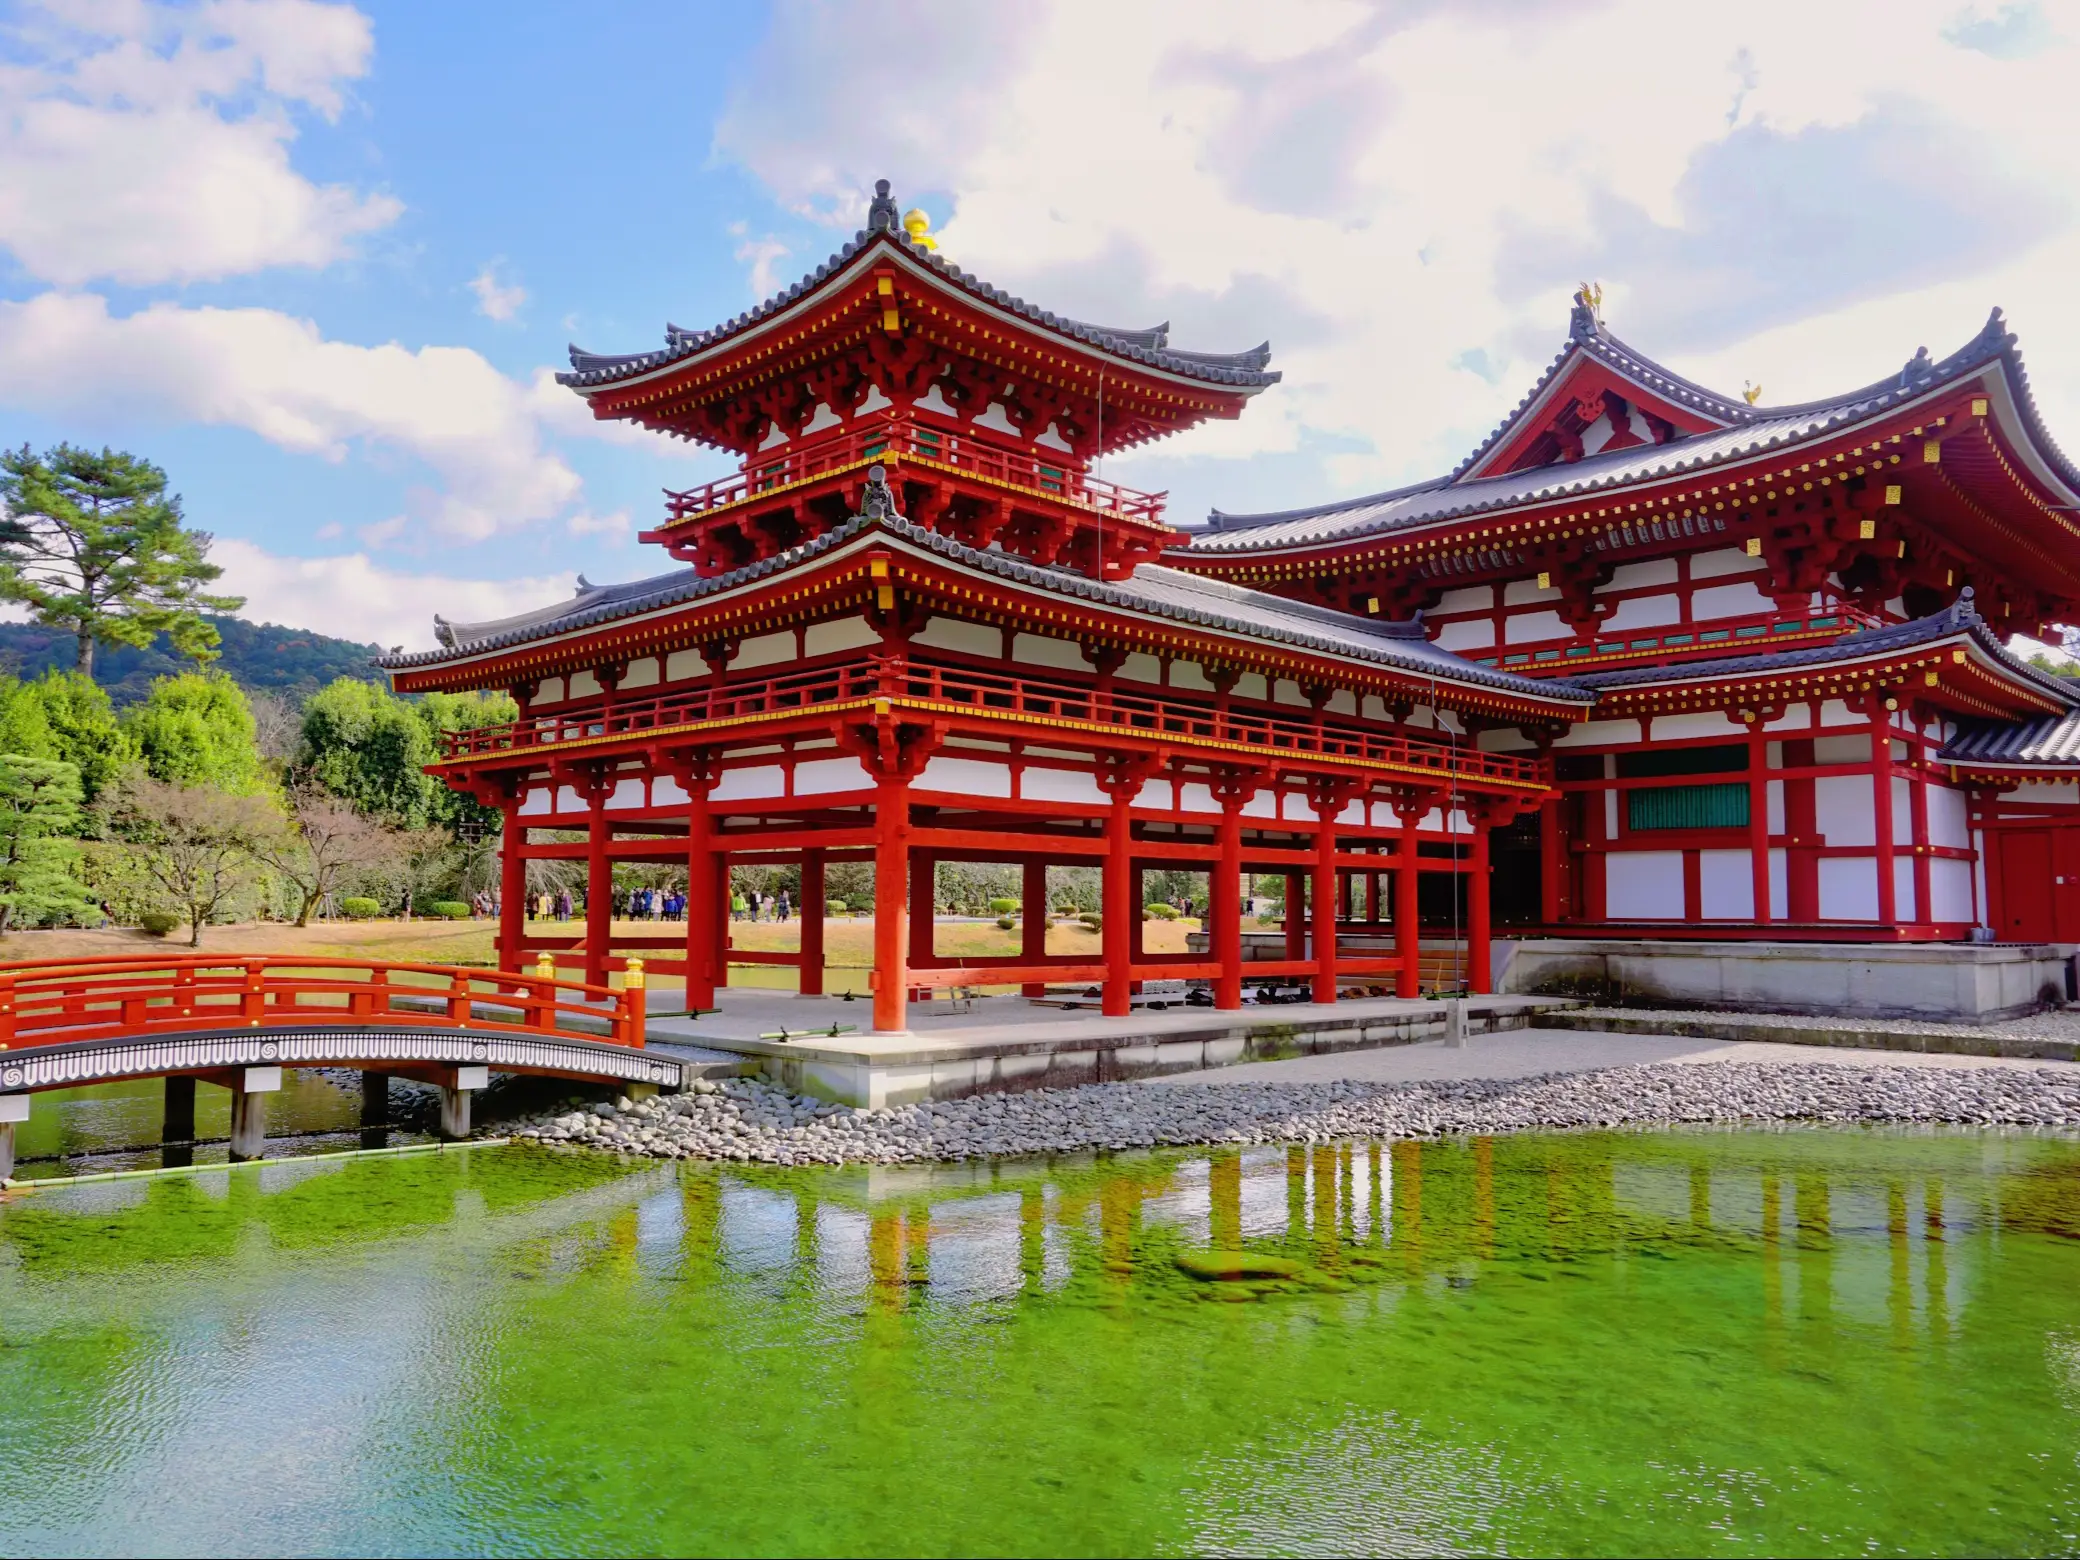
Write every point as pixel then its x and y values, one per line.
pixel 1687 807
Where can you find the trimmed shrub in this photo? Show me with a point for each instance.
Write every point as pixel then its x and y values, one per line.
pixel 1093 919
pixel 159 923
pixel 447 909
pixel 1160 912
pixel 355 909
pixel 834 907
pixel 1003 907
pixel 1005 923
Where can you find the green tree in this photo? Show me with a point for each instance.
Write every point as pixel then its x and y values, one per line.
pixel 84 731
pixel 371 748
pixel 25 724
pixel 39 856
pixel 196 729
pixel 92 543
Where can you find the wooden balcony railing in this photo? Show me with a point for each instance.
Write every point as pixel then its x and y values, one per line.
pixel 997 696
pixel 904 437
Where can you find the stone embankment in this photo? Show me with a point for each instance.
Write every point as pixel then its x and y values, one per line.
pixel 749 1121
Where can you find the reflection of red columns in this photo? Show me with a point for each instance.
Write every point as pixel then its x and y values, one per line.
pixel 1224 907
pixel 702 901
pixel 891 880
pixel 811 984
pixel 1881 797
pixel 1032 926
pixel 599 891
pixel 1480 962
pixel 1408 934
pixel 512 888
pixel 1758 818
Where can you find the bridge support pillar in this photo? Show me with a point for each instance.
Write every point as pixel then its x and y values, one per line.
pixel 178 1124
pixel 14 1109
pixel 375 1099
pixel 249 1090
pixel 456 1089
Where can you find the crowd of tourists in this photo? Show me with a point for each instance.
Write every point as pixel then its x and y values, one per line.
pixel 643 904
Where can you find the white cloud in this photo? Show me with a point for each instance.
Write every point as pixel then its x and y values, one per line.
pixel 1389 189
pixel 352 597
pixel 764 256
pixel 496 300
pixel 477 432
pixel 146 143
pixel 616 527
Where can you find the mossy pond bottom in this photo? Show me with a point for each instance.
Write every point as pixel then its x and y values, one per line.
pixel 1695 1342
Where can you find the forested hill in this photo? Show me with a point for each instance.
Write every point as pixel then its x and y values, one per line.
pixel 289 661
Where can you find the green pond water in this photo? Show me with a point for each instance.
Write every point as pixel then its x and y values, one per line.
pixel 1711 1342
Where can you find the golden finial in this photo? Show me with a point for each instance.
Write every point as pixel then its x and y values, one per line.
pixel 1750 393
pixel 1590 296
pixel 919 227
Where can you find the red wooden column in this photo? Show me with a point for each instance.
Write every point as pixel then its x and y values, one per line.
pixel 1032 925
pixel 1296 915
pixel 599 891
pixel 891 882
pixel 1552 861
pixel 1224 897
pixel 811 984
pixel 1480 963
pixel 1408 932
pixel 1917 794
pixel 720 896
pixel 1801 831
pixel 1329 799
pixel 1758 817
pixel 1121 780
pixel 1881 809
pixel 512 887
pixel 704 908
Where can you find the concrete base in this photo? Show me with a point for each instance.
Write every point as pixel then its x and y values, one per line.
pixel 1005 1046
pixel 6 1150
pixel 248 1125
pixel 1861 980
pixel 454 1113
pixel 14 1108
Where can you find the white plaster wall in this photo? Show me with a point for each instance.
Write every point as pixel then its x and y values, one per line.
pixel 1644 885
pixel 1294 806
pixel 934 400
pixel 1643 612
pixel 1842 750
pixel 1518 593
pixel 1155 796
pixel 2040 791
pixel 1285 691
pixel 1848 887
pixel 1740 599
pixel 584 685
pixel 1600 733
pixel 627 793
pixel 1468 598
pixel 1779 880
pixel 568 800
pixel 641 673
pixel 1040 650
pixel 1703 723
pixel 684 665
pixel 1250 685
pixel 1193 797
pixel 765 650
pixel 1524 627
pixel 1835 713
pixel 755 781
pixel 1190 674
pixel 1903 811
pixel 1502 740
pixel 1637 576
pixel 966 777
pixel 1726 885
pixel 1949 818
pixel 821 776
pixel 945 633
pixel 534 802
pixel 666 792
pixel 1842 808
pixel 1060 785
pixel 1724 560
pixel 1903 905
pixel 1798 718
pixel 1473 634
pixel 1342 702
pixel 1949 889
pixel 838 634
pixel 1142 669
pixel 1263 805
pixel 1353 813
pixel 1774 791
pixel 550 692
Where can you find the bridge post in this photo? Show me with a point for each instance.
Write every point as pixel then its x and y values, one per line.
pixel 250 1087
pixel 179 1123
pixel 455 1093
pixel 375 1099
pixel 14 1108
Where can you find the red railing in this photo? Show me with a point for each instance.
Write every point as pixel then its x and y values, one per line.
pixel 994 696
pixel 53 1002
pixel 903 437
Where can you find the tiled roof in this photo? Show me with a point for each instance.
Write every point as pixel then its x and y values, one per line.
pixel 1960 617
pixel 1151 346
pixel 1153 591
pixel 1749 430
pixel 2052 742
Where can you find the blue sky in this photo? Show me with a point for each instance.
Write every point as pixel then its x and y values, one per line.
pixel 315 258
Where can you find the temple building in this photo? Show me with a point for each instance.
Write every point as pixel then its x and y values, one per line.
pixel 1652 661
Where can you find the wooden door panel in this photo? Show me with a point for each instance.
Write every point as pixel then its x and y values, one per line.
pixel 2026 912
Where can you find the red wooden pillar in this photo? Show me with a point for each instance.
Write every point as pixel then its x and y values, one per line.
pixel 720 896
pixel 1224 907
pixel 811 984
pixel 1479 955
pixel 1119 909
pixel 1408 933
pixel 924 905
pixel 512 888
pixel 1296 915
pixel 1917 793
pixel 1881 807
pixel 891 880
pixel 599 892
pixel 1032 926
pixel 1552 861
pixel 1328 803
pixel 1758 819
pixel 703 905
pixel 1802 833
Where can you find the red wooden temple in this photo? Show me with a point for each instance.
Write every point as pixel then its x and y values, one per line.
pixel 1652 660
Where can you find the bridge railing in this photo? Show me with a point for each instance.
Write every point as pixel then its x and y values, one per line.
pixel 53 1002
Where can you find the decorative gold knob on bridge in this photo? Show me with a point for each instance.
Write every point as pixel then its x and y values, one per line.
pixel 545 967
pixel 633 980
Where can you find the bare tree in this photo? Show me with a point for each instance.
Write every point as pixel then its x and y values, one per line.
pixel 424 858
pixel 199 844
pixel 277 725
pixel 326 839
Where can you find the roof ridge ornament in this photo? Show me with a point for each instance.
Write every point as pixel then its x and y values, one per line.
pixel 1919 368
pixel 1587 317
pixel 878 502
pixel 881 213
pixel 1963 613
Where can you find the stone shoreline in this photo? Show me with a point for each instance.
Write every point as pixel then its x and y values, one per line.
pixel 747 1121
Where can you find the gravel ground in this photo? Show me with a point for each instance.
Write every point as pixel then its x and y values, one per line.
pixel 746 1120
pixel 2053 1024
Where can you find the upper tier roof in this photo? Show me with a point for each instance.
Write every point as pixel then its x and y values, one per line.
pixel 1730 430
pixel 884 234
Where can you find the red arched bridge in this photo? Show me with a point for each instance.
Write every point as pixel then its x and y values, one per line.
pixel 237 1022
